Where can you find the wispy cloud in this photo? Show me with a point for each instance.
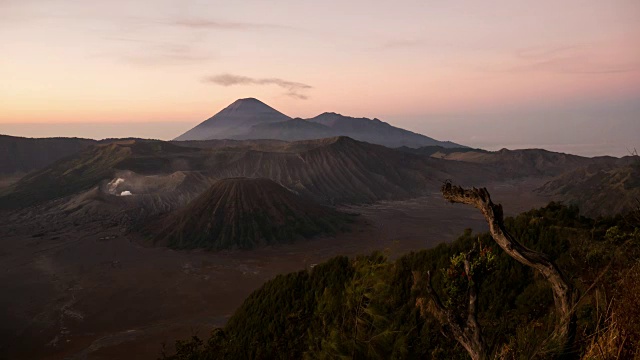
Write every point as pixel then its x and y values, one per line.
pixel 400 44
pixel 205 24
pixel 574 65
pixel 143 52
pixel 131 40
pixel 167 58
pixel 571 59
pixel 294 89
pixel 187 44
pixel 544 52
pixel 164 55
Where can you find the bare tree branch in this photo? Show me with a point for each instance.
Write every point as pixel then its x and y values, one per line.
pixel 562 291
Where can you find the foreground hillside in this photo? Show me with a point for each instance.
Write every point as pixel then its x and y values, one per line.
pixel 244 213
pixel 366 307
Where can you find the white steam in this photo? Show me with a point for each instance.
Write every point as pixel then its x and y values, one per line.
pixel 112 186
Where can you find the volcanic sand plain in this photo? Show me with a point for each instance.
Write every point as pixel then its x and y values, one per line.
pixel 98 292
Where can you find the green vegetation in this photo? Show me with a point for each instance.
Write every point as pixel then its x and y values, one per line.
pixel 365 308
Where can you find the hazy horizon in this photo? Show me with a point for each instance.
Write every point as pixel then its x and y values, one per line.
pixel 587 132
pixel 491 75
pixel 168 131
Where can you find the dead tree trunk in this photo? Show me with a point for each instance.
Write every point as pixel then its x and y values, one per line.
pixel 466 331
pixel 562 292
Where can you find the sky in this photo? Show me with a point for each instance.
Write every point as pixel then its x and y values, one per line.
pixel 563 75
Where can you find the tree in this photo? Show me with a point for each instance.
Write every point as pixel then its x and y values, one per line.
pixel 468 332
pixel 461 288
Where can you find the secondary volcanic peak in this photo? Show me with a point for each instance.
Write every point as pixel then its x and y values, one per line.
pixel 244 213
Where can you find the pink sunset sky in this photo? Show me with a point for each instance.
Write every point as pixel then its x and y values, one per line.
pixel 564 75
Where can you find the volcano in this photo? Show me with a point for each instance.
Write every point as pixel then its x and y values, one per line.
pixel 234 121
pixel 252 119
pixel 242 213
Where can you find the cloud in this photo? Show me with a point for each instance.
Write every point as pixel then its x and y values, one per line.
pixel 400 44
pixel 573 59
pixel 223 25
pixel 544 52
pixel 131 40
pixel 142 52
pixel 574 65
pixel 294 89
pixel 166 58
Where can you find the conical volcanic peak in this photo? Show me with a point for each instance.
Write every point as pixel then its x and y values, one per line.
pixel 247 112
pixel 244 213
pixel 250 104
pixel 235 120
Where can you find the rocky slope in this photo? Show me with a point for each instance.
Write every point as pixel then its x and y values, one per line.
pixel 94 167
pixel 334 170
pixel 244 213
pixel 518 163
pixel 22 155
pixel 162 176
pixel 599 189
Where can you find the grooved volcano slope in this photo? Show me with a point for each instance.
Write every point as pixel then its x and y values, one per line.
pixel 341 170
pixel 244 213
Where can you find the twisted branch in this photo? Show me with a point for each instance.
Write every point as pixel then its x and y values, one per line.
pixel 480 199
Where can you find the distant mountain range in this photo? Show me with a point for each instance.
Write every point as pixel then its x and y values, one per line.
pixel 515 163
pixel 332 170
pixel 257 143
pixel 163 176
pixel 252 119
